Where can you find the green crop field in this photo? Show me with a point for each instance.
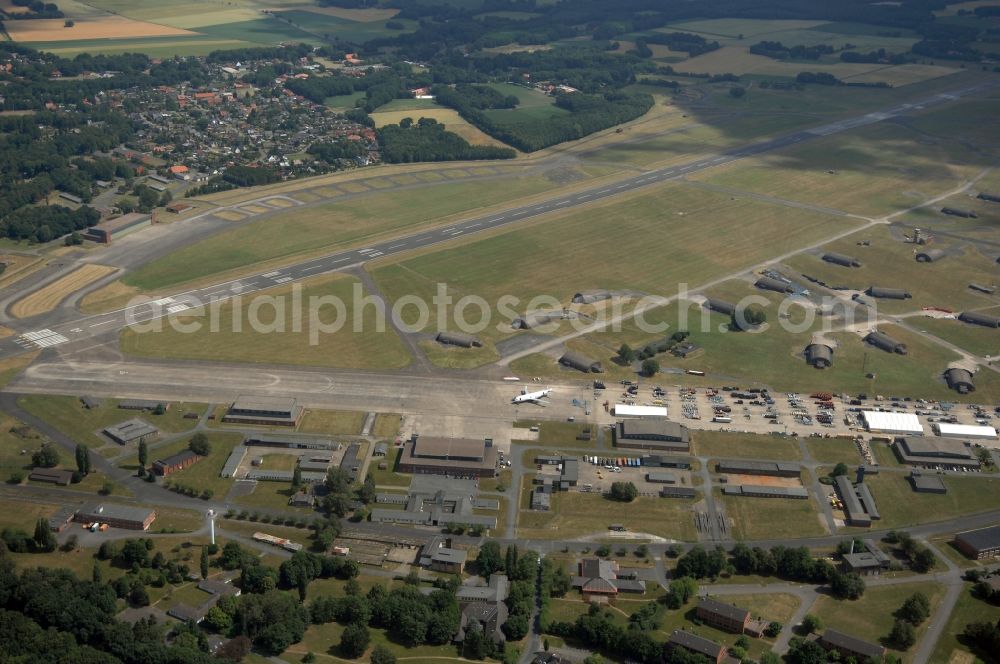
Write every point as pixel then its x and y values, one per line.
pixel 768 518
pixel 329 225
pixel 337 27
pixel 874 170
pixel 572 252
pixel 154 47
pixel 345 348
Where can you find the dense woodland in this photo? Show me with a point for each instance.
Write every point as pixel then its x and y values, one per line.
pixel 428 140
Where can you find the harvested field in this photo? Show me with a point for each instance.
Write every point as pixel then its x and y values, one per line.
pixel 902 74
pixel 366 15
pixel 47 298
pixel 107 297
pixel 108 27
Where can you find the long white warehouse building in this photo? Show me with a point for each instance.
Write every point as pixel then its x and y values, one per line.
pixel 903 424
pixel 965 431
pixel 626 410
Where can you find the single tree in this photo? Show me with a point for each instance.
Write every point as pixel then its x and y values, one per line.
pixel 811 623
pixel 354 641
pixel 143 454
pixel 82 459
pixel 625 354
pixel 840 469
pixel 199 444
pixel 382 655
pixel 903 636
pixel 489 559
pixel 203 562
pixel 650 367
pixel 916 609
pixel 44 539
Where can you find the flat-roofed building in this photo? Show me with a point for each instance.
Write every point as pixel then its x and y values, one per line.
pixel 661 477
pixel 766 468
pixel 766 491
pixel 856 512
pixel 111 229
pixel 870 562
pixel 456 457
pixel 143 404
pixel 672 491
pixel 850 646
pixel 131 431
pixel 116 516
pixel 60 476
pixel 277 411
pixel 175 462
pixel 967 431
pixel 61 518
pixel 495 590
pixel 450 561
pixel 696 644
pixel 653 434
pixel 727 617
pixel 979 544
pixel 931 452
pixel 927 483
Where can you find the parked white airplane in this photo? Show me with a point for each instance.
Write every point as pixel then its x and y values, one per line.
pixel 531 397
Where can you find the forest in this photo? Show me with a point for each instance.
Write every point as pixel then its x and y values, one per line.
pixel 428 140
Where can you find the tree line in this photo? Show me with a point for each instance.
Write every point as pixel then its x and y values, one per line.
pixel 428 140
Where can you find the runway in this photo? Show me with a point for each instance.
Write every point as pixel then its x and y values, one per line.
pixel 61 332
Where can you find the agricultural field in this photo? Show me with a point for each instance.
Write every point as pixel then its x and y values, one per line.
pixel 338 26
pixel 577 514
pixel 278 340
pixel 744 32
pixel 107 27
pixel 875 170
pixel 770 518
pixel 888 261
pixel 176 28
pixel 48 297
pixel 647 226
pixel 326 226
pixel 871 617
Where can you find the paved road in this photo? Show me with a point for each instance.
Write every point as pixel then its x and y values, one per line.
pixel 54 331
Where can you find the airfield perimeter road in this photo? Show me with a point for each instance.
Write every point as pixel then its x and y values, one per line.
pixel 53 329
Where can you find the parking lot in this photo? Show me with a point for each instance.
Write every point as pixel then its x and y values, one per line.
pixel 598 477
pixel 756 410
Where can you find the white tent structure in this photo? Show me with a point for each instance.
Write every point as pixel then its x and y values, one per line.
pixel 626 410
pixel 969 431
pixel 903 424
